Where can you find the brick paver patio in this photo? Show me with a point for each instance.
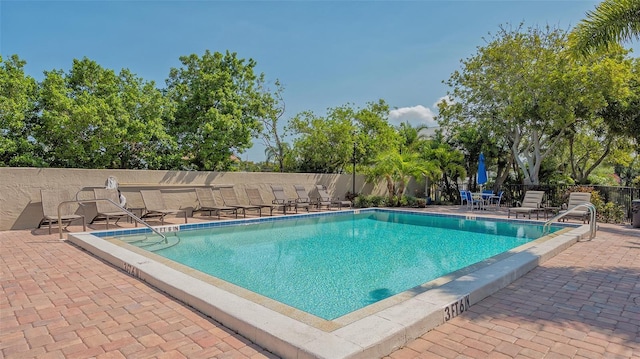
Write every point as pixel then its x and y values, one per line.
pixel 60 302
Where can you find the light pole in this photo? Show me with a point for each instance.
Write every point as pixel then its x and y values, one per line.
pixel 353 189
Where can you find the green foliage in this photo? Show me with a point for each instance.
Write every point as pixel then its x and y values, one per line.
pixel 18 115
pixel 93 118
pixel 603 176
pixel 374 135
pixel 611 213
pixel 368 201
pixel 611 22
pixel 411 201
pixel 449 162
pixel 397 168
pixel 608 212
pixel 622 115
pixel 523 88
pixel 218 107
pixel 371 201
pixel 327 144
pixel 323 145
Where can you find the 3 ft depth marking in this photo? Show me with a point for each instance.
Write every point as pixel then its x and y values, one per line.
pixel 456 308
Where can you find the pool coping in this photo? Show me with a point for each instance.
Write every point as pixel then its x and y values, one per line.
pixel 375 335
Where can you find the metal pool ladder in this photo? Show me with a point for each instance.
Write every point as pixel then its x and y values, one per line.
pixel 592 218
pixel 82 201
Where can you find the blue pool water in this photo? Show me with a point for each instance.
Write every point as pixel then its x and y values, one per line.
pixel 332 265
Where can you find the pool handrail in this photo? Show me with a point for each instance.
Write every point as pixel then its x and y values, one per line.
pixel 133 216
pixel 592 218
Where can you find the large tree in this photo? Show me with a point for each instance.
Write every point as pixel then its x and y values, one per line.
pixel 622 113
pixel 18 114
pixel 612 22
pixel 523 87
pixel 323 144
pixel 328 144
pixel 219 103
pixel 93 118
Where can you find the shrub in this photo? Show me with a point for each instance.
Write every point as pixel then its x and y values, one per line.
pixel 411 201
pixel 379 201
pixel 361 202
pixel 611 213
pixel 370 201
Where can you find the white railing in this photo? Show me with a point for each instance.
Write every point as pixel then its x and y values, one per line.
pixel 592 218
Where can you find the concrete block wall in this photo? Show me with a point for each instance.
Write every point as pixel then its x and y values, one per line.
pixel 21 206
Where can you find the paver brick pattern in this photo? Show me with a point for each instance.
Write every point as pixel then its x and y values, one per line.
pixel 58 301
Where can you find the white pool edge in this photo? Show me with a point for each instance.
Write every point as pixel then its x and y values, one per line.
pixel 373 336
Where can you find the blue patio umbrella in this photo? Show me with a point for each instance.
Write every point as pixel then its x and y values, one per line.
pixel 482 170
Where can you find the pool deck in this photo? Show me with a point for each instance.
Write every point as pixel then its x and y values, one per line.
pixel 58 301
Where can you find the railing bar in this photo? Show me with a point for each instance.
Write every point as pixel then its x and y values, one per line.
pixel 130 214
pixel 592 218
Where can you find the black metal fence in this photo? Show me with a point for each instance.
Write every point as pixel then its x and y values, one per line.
pixel 556 195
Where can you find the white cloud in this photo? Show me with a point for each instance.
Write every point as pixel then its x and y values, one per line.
pixel 415 116
pixel 446 99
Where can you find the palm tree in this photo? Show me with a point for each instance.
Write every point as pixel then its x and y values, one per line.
pixel 411 136
pixel 612 22
pixel 397 168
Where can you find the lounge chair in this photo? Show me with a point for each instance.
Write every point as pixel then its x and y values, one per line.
pixel 532 202
pixel 323 198
pixel 207 203
pixel 231 200
pixel 107 210
pixel 303 196
pixel 155 206
pixel 50 201
pixel 582 213
pixel 255 198
pixel 281 198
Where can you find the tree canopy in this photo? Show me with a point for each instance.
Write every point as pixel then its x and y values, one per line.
pixel 93 118
pixel 327 144
pixel 522 86
pixel 218 108
pixel 18 112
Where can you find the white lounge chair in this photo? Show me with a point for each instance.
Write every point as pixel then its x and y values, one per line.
pixel 532 202
pixel 575 199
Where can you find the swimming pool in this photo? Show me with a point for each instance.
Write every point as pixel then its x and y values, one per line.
pixel 372 331
pixel 330 266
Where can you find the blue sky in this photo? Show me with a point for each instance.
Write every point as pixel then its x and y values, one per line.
pixel 325 53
